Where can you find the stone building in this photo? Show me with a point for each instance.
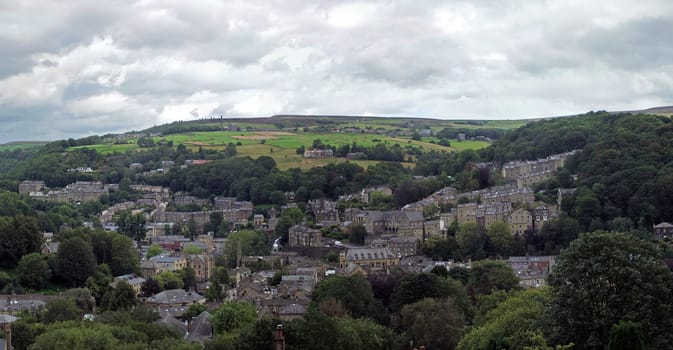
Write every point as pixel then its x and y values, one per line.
pixel 520 221
pixel 302 236
pixel 28 186
pixel 369 259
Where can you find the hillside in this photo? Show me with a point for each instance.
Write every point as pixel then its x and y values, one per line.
pixel 280 137
pixel 623 170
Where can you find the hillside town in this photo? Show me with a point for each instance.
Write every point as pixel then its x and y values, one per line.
pixel 280 282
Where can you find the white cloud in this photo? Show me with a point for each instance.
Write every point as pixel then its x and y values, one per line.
pixel 85 67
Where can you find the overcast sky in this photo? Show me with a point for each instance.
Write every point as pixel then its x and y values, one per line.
pixel 76 68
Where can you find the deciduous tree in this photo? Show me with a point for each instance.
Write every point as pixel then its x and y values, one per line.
pixel 604 278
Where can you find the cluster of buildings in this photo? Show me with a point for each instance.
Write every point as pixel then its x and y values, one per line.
pixel 532 271
pixel 80 191
pixel 527 173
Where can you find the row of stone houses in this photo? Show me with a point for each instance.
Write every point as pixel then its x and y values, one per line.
pixel 527 173
pixel 516 169
pixel 80 191
pixel 319 153
pixel 520 220
pixel 449 196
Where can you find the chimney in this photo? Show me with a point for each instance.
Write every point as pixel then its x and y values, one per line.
pixel 279 339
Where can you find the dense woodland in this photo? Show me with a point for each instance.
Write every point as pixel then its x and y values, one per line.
pixel 610 283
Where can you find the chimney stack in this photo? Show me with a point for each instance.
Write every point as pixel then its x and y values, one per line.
pixel 279 339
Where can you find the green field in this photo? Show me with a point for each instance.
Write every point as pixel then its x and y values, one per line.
pixel 110 148
pixel 282 145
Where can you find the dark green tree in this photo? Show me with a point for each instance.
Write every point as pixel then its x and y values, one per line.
pixel 132 225
pixel 124 256
pixel 604 278
pixel 487 276
pixel 509 324
pixel 353 292
pixel 233 317
pixel 33 271
pixel 75 261
pixel 433 323
pixel 426 285
pixel 122 297
pixel 61 310
pixel 626 335
pixel 471 241
pixel 358 232
pixel 99 282
pixel 188 276
pixel 19 235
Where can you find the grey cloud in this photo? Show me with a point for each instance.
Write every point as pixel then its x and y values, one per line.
pixel 148 62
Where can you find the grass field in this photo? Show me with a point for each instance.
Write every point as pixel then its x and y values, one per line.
pixel 282 145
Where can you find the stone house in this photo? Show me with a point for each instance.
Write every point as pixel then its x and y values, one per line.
pixel 302 236
pixel 662 230
pixel 202 264
pixel 136 282
pixel 157 264
pixel 541 215
pixel 520 221
pixel 324 211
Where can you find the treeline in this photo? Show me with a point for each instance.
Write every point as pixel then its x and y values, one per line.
pixel 261 182
pixel 452 133
pixel 381 151
pixel 178 127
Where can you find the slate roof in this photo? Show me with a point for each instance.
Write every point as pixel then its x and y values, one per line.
pixel 174 296
pixel 173 324
pixel 201 329
pixel 369 254
pixel 292 309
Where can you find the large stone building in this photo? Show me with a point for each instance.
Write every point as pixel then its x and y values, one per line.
pixel 489 213
pixel 29 186
pixel 369 259
pixel 202 265
pixel 400 247
pixel 520 221
pixel 324 211
pixel 302 236
pixel 401 223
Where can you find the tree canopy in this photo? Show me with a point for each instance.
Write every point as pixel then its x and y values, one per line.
pixel 604 278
